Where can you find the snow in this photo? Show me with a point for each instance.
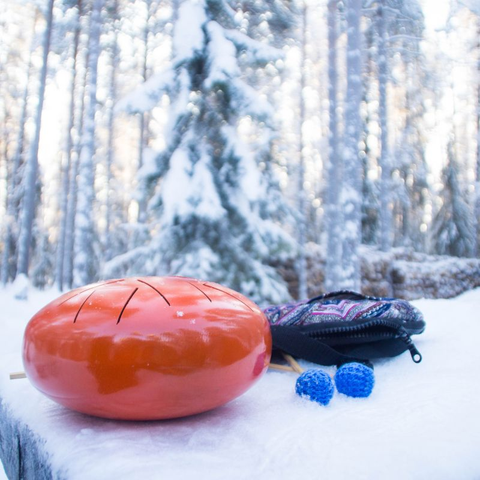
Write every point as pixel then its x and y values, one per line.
pixel 146 96
pixel 472 5
pixel 21 286
pixel 222 57
pixel 180 103
pixel 420 422
pixel 247 101
pixel 149 166
pixel 201 262
pixel 250 177
pixel 129 261
pixel 189 188
pixel 189 37
pixel 258 52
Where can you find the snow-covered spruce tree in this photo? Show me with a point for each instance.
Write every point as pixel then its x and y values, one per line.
pixel 453 228
pixel 214 210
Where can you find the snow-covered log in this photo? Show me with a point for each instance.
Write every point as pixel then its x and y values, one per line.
pixel 22 452
pixel 445 277
pixel 401 272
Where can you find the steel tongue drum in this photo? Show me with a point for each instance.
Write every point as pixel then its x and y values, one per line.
pixel 147 348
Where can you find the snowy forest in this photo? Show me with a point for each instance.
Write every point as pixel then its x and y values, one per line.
pixel 225 139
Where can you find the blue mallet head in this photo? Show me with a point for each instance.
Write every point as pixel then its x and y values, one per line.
pixel 315 385
pixel 355 380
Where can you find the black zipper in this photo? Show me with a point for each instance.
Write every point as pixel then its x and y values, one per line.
pixel 357 331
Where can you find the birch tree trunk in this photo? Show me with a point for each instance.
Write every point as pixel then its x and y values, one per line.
pixel 352 165
pixel 386 224
pixel 79 94
pixel 477 166
pixel 67 167
pixel 31 170
pixel 111 136
pixel 143 122
pixel 334 172
pixel 84 266
pixel 301 263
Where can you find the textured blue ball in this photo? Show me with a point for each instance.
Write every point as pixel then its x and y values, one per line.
pixel 355 380
pixel 315 385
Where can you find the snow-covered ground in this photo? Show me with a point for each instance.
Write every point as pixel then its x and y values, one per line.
pixel 422 421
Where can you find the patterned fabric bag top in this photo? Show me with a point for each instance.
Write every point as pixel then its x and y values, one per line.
pixel 344 308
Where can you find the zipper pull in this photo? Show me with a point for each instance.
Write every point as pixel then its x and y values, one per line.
pixel 416 355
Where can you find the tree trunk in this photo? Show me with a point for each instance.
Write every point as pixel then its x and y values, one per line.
pixel 31 170
pixel 80 89
pixel 143 123
pixel 334 172
pixel 84 259
pixel 301 264
pixel 110 142
pixel 67 167
pixel 386 224
pixel 352 171
pixel 14 180
pixel 477 166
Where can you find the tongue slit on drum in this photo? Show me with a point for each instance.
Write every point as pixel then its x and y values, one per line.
pixel 126 303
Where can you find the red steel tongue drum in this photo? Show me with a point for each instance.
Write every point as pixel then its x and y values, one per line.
pixel 147 348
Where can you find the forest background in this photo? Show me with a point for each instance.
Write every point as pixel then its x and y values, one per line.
pixel 222 139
